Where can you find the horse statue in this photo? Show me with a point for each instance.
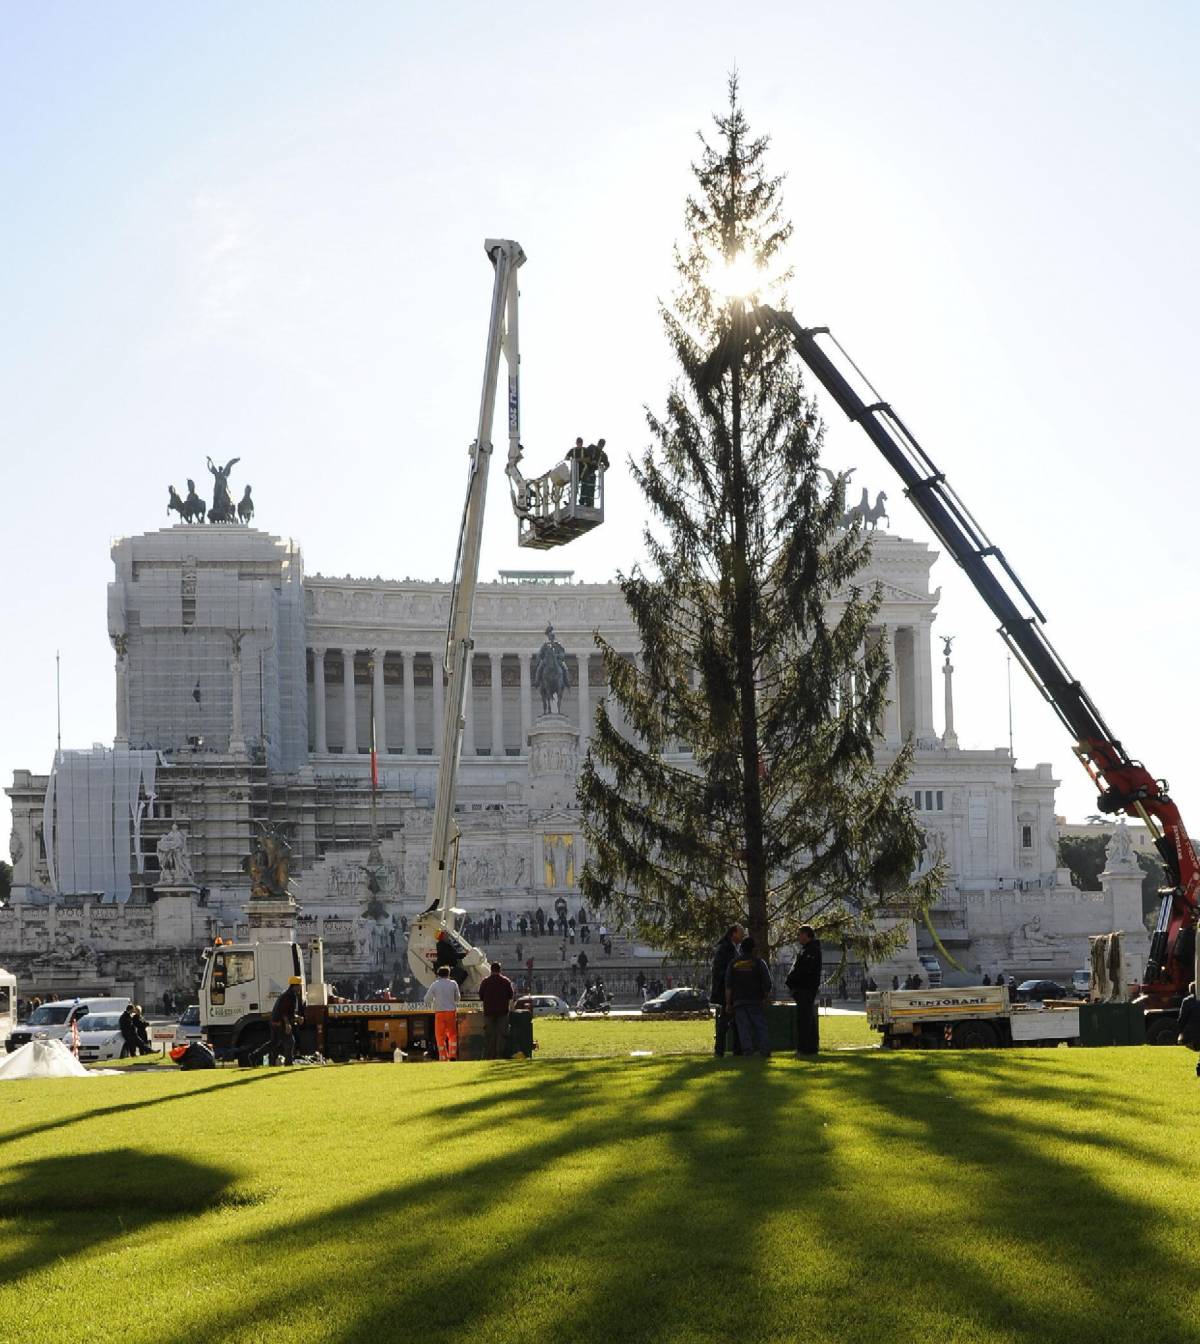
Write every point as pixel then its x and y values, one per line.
pixel 550 673
pixel 865 512
pixel 194 504
pixel 245 508
pixel 174 502
pixel 876 512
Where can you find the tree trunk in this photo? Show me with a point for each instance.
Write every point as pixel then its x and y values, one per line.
pixel 743 642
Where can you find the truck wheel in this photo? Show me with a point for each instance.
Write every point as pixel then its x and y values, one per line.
pixel 973 1036
pixel 1162 1030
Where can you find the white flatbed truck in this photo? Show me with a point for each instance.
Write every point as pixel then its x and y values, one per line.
pixel 968 1018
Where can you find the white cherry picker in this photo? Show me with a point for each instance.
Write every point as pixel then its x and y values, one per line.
pixel 551 509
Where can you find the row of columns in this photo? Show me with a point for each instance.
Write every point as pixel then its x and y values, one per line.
pixel 351 740
pixel 918 674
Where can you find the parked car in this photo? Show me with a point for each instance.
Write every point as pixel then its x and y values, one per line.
pixel 543 1005
pixel 188 1028
pixel 99 1037
pixel 1038 991
pixel 52 1021
pixel 681 1000
pixel 1081 983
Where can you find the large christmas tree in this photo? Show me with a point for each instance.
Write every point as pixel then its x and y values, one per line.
pixel 754 655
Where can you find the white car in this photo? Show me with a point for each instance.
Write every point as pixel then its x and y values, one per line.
pixel 52 1021
pixel 543 1005
pixel 99 1037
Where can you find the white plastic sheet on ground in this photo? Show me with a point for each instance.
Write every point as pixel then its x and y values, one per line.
pixel 47 1059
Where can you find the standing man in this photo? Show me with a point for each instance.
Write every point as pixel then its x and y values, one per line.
pixel 1189 1022
pixel 747 993
pixel 724 953
pixel 804 980
pixel 444 996
pixel 125 1025
pixel 289 1007
pixel 496 993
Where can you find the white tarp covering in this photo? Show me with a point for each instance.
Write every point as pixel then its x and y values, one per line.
pixel 46 1059
pixel 89 819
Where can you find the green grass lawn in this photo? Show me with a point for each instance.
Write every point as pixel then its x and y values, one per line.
pixel 1041 1195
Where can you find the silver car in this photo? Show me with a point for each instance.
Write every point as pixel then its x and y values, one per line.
pixel 188 1028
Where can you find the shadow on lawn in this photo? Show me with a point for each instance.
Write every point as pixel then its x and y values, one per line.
pixel 163 1099
pixel 72 1203
pixel 707 1201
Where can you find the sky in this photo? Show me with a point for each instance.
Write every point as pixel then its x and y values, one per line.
pixel 257 231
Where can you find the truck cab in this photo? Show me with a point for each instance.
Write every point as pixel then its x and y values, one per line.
pixel 238 990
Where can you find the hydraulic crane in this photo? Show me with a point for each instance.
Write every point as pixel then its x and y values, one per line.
pixel 550 509
pixel 1124 783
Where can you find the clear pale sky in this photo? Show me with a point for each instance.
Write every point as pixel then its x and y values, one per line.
pixel 256 231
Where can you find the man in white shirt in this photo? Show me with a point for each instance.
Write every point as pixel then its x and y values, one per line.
pixel 444 996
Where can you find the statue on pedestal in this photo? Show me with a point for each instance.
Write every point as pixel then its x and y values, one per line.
pixel 268 864
pixel 174 865
pixel 550 673
pixel 222 510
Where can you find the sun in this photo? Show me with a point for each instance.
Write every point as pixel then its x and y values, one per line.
pixel 736 277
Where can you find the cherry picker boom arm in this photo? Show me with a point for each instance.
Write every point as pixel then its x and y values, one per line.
pixel 1125 784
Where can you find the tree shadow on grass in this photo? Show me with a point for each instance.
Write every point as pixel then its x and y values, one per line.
pixel 95 1112
pixel 698 1202
pixel 77 1203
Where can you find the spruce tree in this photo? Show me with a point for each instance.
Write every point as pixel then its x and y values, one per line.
pixel 781 814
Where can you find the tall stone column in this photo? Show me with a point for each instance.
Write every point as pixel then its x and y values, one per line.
pixel 526 696
pixel 122 737
pixel 237 742
pixel 497 661
pixel 377 657
pixel 949 737
pixel 468 740
pixel 891 713
pixel 321 742
pixel 350 743
pixel 923 679
pixel 585 701
pixel 410 705
pixel 439 702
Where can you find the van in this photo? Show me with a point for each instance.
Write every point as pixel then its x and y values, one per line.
pixel 52 1021
pixel 1081 982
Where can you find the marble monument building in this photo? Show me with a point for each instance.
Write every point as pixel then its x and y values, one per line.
pixel 244 690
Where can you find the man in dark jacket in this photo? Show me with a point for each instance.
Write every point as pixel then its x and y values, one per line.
pixel 747 993
pixel 445 953
pixel 129 1038
pixel 289 1008
pixel 496 993
pixel 804 980
pixel 1189 1023
pixel 724 953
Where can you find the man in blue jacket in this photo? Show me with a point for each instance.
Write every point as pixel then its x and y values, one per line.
pixel 747 993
